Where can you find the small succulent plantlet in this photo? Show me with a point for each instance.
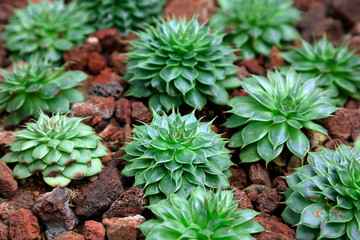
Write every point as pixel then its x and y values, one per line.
pixel 324 197
pixel 125 15
pixel 205 215
pixel 181 61
pixel 38 85
pixel 338 68
pixel 175 154
pixel 274 114
pixel 255 26
pixel 61 148
pixel 48 28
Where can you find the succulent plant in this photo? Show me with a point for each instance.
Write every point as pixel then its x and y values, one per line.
pixel 48 28
pixel 204 215
pixel 175 154
pixel 255 26
pixel 324 197
pixel 61 148
pixel 180 61
pixel 338 67
pixel 274 114
pixel 38 85
pixel 125 15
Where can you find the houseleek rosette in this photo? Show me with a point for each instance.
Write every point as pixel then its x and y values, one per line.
pixel 254 26
pixel 338 68
pixel 125 15
pixel 38 84
pixel 323 200
pixel 274 114
pixel 175 154
pixel 47 28
pixel 58 147
pixel 180 61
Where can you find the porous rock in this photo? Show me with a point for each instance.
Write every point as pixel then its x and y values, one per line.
pixel 55 213
pixel 99 195
pixel 129 203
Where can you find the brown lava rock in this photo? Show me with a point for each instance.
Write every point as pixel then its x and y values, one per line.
pixel 268 201
pixel 8 185
pixel 123 110
pixel 123 228
pixel 103 106
pixel 70 236
pixel 54 211
pixel 280 184
pixel 274 229
pixel 140 112
pixel 99 195
pixel 258 174
pixel 253 66
pixel 83 110
pixel 338 126
pixel 238 178
pixel 77 57
pixel 94 230
pixel 4 231
pixel 129 203
pixel 244 201
pixel 96 62
pixel 23 225
pixel 21 199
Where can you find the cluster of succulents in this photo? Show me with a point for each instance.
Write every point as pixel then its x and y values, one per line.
pixel 48 28
pixel 180 61
pixel 124 15
pixel 274 113
pixel 36 85
pixel 338 68
pixel 324 196
pixel 204 215
pixel 255 26
pixel 174 154
pixel 183 165
pixel 59 147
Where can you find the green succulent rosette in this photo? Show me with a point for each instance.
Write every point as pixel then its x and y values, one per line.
pixel 36 85
pixel 47 28
pixel 174 154
pixel 125 15
pixel 254 26
pixel 323 200
pixel 205 215
pixel 180 61
pixel 59 147
pixel 338 68
pixel 274 114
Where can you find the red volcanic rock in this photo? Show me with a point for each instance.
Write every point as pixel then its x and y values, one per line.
pixel 23 225
pixel 100 194
pixel 8 185
pixel 94 230
pixel 129 203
